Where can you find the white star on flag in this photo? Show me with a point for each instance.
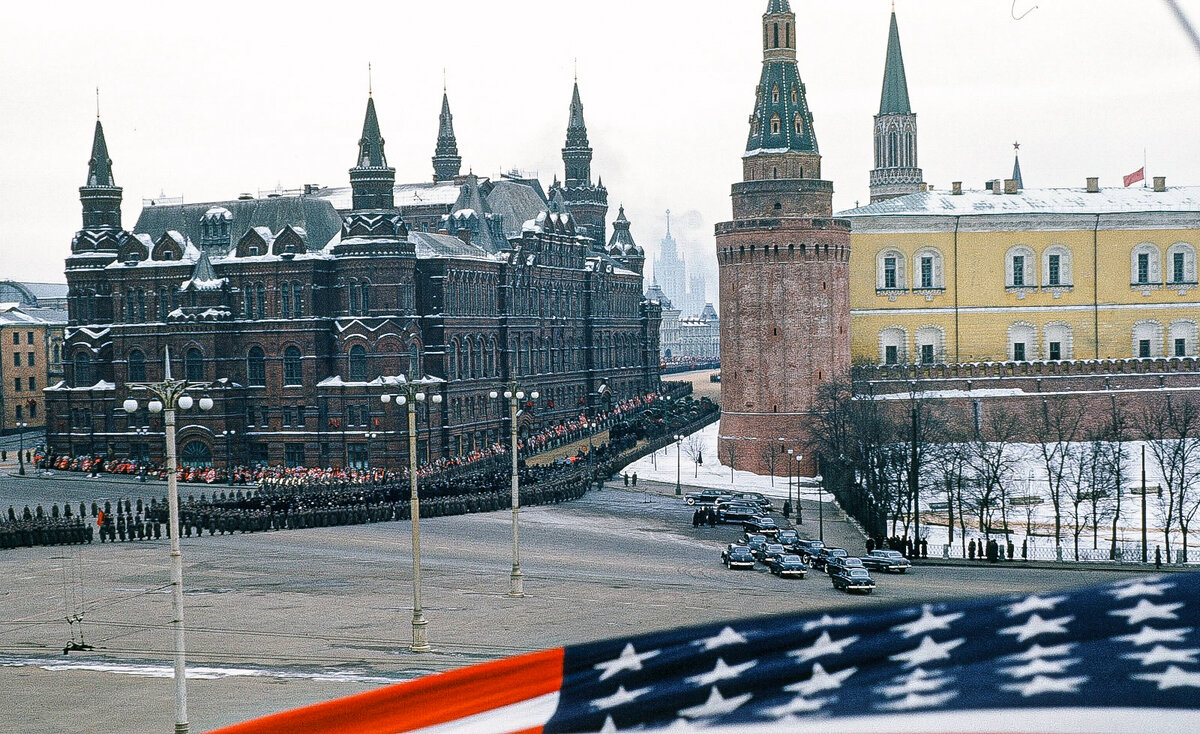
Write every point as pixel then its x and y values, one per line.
pixel 1037 651
pixel 916 701
pixel 1160 654
pixel 1150 635
pixel 1038 626
pixel 1147 610
pixel 827 621
pixel 927 651
pixel 1035 604
pixel 725 637
pixel 820 681
pixel 610 726
pixel 715 705
pixel 629 659
pixel 1172 677
pixel 1040 667
pixel 824 645
pixel 1042 684
pixel 798 705
pixel 918 681
pixel 927 623
pixel 1139 588
pixel 721 672
pixel 620 698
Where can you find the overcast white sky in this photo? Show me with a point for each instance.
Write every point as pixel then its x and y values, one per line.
pixel 212 99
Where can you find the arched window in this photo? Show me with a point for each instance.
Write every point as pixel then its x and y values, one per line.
pixel 163 304
pixel 129 307
pixel 1183 338
pixel 285 300
pixel 355 301
pixel 262 301
pixel 193 365
pixel 492 368
pixel 931 344
pixel 775 94
pixel 298 300
pixel 1022 342
pixel 358 363
pixel 83 369
pixel 1147 339
pixel 1181 264
pixel 798 123
pixel 453 359
pixel 1056 267
pixel 414 360
pixel 195 454
pixel 249 302
pixel 256 368
pixel 776 36
pixel 1145 265
pixel 1019 267
pixel 1058 341
pixel 292 371
pixel 478 357
pixel 927 269
pixel 775 124
pixel 889 271
pixel 893 346
pixel 137 367
pixel 141 306
pixel 365 293
pixel 464 361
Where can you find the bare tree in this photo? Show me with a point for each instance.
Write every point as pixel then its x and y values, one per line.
pixel 731 454
pixel 693 448
pixel 1115 435
pixel 951 463
pixel 1168 431
pixel 1055 425
pixel 769 453
pixel 993 462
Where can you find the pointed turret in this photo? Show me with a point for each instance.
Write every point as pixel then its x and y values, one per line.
pixel 577 155
pixel 896 170
pixel 447 163
pixel 100 198
pixel 588 203
pixel 100 166
pixel 1017 168
pixel 894 99
pixel 371 180
pixel 622 247
pixel 576 127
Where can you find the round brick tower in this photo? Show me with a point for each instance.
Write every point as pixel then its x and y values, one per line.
pixel 784 273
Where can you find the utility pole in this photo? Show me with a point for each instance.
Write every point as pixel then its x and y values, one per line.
pixel 913 482
pixel 1145 558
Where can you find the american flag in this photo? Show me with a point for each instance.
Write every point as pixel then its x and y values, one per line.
pixel 1116 658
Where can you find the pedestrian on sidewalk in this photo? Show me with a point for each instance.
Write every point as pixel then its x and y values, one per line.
pixel 1157 556
pixel 634 479
pixel 971 549
pixel 625 476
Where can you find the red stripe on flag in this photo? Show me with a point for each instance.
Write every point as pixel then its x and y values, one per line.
pixel 434 699
pixel 1138 175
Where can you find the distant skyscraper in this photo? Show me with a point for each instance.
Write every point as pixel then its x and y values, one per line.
pixel 670 270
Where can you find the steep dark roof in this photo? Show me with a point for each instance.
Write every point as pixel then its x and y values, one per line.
pixel 100 165
pixel 517 203
pixel 894 100
pixel 778 6
pixel 431 245
pixel 1017 172
pixel 315 215
pixel 370 145
pixel 576 127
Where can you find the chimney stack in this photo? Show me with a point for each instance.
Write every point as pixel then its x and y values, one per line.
pixel 1160 184
pixel 1093 185
pixel 956 188
pixel 464 234
pixel 997 187
pixel 1010 185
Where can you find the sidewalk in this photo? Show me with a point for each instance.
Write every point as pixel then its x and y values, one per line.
pixel 1055 565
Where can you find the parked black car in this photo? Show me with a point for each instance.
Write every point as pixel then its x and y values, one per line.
pixel 729 549
pixel 822 557
pixel 853 579
pixel 842 563
pixel 788 538
pixel 736 513
pixel 789 566
pixel 808 549
pixel 707 497
pixel 764 553
pixel 752 498
pixel 754 540
pixel 739 557
pixel 762 525
pixel 886 560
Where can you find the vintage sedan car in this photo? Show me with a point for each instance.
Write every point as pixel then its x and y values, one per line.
pixel 764 553
pixel 754 540
pixel 707 497
pixel 762 525
pixel 788 538
pixel 736 513
pixel 886 560
pixel 788 566
pixel 752 498
pixel 739 557
pixel 841 563
pixel 822 557
pixel 852 580
pixel 729 549
pixel 808 549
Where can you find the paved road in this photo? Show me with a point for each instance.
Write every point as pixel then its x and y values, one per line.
pixel 332 600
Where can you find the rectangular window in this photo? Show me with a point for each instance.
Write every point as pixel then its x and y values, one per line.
pixel 1018 266
pixel 29 358
pixel 1181 347
pixel 357 458
pixel 927 272
pixel 1056 350
pixel 891 355
pixel 29 337
pixel 19 414
pixel 32 383
pixel 16 359
pixel 287 416
pixel 33 410
pixel 249 416
pixel 294 454
pixel 1143 268
pixel 1144 348
pixel 17 384
pixel 926 354
pixel 1054 276
pixel 889 272
pixel 352 415
pixel 16 337
pixel 300 416
pixel 1019 351
pixel 1177 271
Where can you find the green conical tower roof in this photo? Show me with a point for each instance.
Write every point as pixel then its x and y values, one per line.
pixel 100 165
pixel 370 146
pixel 576 127
pixel 894 100
pixel 778 6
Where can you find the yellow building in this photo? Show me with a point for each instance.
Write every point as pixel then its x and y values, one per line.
pixel 30 360
pixel 1013 274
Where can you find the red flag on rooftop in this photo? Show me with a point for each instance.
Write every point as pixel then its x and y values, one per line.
pixel 1138 175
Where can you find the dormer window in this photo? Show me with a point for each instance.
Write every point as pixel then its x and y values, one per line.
pixel 167 255
pixel 774 95
pixel 799 124
pixel 795 99
pixel 774 124
pixel 252 250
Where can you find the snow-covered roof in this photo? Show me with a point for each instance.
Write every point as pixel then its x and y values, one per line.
pixel 404 194
pixel 1112 200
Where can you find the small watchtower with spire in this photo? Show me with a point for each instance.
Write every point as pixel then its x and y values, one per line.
pixel 587 203
pixel 896 171
pixel 447 163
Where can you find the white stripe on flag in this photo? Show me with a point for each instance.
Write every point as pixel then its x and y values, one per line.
pixel 514 717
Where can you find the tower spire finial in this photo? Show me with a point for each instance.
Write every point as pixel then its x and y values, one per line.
pixel 97 102
pixel 370 81
pixel 443 80
pixel 668 222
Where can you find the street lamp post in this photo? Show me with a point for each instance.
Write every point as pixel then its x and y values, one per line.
pixel 410 393
pixel 514 393
pixel 166 397
pixel 821 506
pixel 21 425
pixel 229 435
pixel 799 513
pixel 678 461
pixel 789 463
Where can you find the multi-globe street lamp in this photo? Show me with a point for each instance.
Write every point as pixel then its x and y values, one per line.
pixel 410 392
pixel 166 397
pixel 514 394
pixel 799 513
pixel 678 461
pixel 821 506
pixel 230 436
pixel 789 499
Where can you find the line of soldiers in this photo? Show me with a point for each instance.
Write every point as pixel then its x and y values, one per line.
pixel 29 528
